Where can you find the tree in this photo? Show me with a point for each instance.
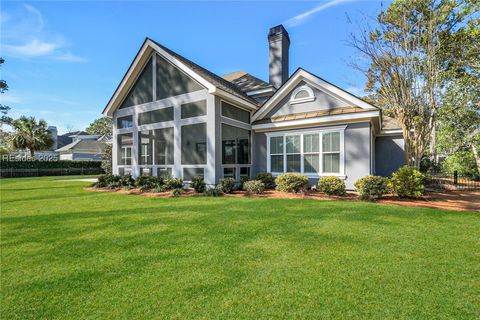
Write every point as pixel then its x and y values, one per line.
pixel 102 126
pixel 30 134
pixel 107 159
pixel 3 108
pixel 406 63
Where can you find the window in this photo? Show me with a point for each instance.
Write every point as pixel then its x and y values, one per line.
pixel 293 153
pixel 125 143
pixel 125 122
pixel 189 173
pixel 244 173
pixel 164 172
pixel 276 154
pixel 193 109
pixel 155 116
pixel 302 94
pixel 235 145
pixel 309 153
pixel 331 152
pixel 235 113
pixel 156 147
pixel 229 173
pixel 194 143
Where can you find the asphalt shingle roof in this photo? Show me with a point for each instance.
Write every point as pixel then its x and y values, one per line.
pixel 246 82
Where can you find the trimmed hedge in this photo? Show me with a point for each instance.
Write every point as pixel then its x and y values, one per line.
pixel 331 185
pixel 254 186
pixel 291 182
pixel 61 164
pixel 371 187
pixel 407 182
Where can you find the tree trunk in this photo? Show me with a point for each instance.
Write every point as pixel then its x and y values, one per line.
pixel 32 153
pixel 477 157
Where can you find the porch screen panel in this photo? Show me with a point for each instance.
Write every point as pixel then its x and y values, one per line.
pixel 235 145
pixel 235 113
pixel 142 90
pixel 194 143
pixel 171 81
pixel 125 144
pixel 155 116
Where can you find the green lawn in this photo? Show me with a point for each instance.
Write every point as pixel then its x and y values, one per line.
pixel 67 253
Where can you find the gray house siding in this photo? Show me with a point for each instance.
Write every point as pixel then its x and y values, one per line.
pixel 389 154
pixel 357 152
pixel 323 101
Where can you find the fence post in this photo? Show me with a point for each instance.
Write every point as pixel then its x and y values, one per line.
pixel 455 177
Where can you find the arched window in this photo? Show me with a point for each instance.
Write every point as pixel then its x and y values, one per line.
pixel 302 94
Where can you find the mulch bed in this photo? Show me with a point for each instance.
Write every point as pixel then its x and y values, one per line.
pixel 448 200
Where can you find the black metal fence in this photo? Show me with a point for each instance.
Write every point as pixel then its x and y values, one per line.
pixel 37 172
pixel 445 181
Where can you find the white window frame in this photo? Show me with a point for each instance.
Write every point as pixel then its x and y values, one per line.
pixel 320 132
pixel 310 98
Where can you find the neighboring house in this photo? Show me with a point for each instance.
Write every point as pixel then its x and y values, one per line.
pixel 173 117
pixel 83 147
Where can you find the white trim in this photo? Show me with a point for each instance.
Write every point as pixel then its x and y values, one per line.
pixel 328 88
pixel 310 98
pixel 390 132
pixel 259 91
pixel 226 95
pixel 317 120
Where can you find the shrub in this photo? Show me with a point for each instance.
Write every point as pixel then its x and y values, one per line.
pixel 254 186
pixel 172 183
pixel 407 182
pixel 227 185
pixel 214 192
pixel 177 192
pixel 198 184
pixel 127 181
pixel 105 180
pixel 372 187
pixel 291 182
pixel 147 182
pixel 331 186
pixel 267 179
pixel 242 182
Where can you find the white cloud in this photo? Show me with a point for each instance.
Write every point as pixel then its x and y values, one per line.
pixel 8 98
pixel 69 57
pixel 34 48
pixel 299 19
pixel 27 37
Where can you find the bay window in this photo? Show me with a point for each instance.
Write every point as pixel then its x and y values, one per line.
pixel 311 153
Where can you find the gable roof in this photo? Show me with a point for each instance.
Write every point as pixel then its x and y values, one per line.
pixel 329 88
pixel 207 78
pixel 246 82
pixel 84 146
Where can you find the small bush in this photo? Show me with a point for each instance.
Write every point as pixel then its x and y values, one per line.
pixel 159 188
pixel 227 185
pixel 267 179
pixel 177 192
pixel 147 182
pixel 371 187
pixel 173 183
pixel 242 182
pixel 331 186
pixel 254 186
pixel 291 182
pixel 103 181
pixel 198 184
pixel 127 182
pixel 407 182
pixel 214 192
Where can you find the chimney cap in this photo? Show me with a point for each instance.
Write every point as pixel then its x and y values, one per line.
pixel 278 31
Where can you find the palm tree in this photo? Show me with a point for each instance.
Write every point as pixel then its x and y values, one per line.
pixel 30 134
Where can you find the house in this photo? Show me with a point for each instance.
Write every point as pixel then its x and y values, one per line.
pixel 173 117
pixel 83 146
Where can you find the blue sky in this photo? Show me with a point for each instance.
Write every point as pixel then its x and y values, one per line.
pixel 65 59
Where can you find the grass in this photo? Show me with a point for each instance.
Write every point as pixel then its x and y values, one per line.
pixel 67 253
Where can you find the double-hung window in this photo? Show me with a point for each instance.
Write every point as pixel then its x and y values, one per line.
pixel 314 153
